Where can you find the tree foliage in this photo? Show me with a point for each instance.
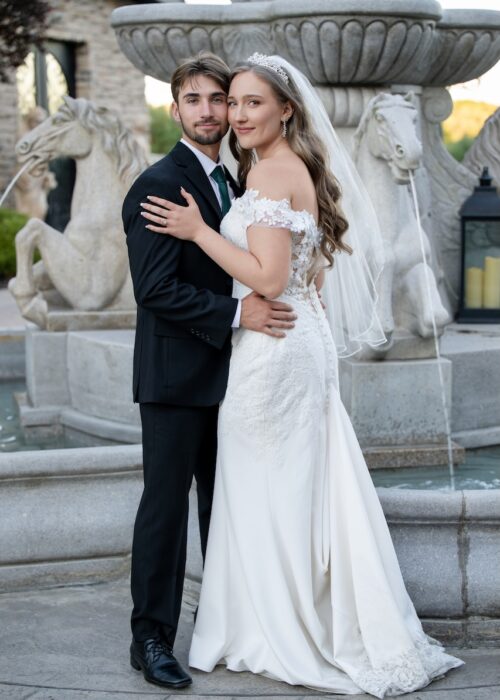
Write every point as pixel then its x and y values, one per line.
pixel 165 131
pixel 464 124
pixel 22 26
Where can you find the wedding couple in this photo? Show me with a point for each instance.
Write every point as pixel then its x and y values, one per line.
pixel 301 581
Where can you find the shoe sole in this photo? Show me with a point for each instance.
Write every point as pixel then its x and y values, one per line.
pixel 137 666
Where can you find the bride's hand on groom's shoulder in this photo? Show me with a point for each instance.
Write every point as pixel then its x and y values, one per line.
pixel 172 219
pixel 265 316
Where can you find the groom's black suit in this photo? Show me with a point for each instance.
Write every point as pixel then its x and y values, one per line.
pixel 181 364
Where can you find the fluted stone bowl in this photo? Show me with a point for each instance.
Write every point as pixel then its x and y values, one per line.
pixel 334 42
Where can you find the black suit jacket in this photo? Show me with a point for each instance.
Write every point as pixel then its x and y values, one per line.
pixel 185 309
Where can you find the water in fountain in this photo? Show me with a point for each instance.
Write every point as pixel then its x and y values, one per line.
pixel 480 471
pixel 14 180
pixel 435 333
pixel 14 439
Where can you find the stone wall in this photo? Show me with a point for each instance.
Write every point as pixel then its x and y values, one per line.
pixel 103 74
pixel 8 132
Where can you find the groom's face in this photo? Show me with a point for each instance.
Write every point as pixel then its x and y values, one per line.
pixel 201 110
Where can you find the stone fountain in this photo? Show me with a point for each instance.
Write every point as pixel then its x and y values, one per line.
pixel 359 55
pixel 397 48
pixel 363 57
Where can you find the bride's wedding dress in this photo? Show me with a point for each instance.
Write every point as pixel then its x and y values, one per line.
pixel 301 580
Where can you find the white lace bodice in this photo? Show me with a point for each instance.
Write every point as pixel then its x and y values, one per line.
pixel 250 209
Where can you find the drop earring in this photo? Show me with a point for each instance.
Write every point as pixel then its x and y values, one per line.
pixel 283 129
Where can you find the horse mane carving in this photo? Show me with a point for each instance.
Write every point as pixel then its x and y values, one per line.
pixel 116 139
pixel 485 149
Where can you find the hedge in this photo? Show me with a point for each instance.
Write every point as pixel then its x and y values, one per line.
pixel 10 223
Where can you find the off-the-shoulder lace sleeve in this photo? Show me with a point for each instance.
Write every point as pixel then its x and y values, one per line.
pixel 274 213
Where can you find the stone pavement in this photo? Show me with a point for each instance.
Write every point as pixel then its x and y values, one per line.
pixel 72 644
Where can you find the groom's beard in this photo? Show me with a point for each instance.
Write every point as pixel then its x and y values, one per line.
pixel 204 139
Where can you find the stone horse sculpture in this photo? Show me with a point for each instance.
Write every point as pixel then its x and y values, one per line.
pixel 386 149
pixel 485 149
pixel 87 264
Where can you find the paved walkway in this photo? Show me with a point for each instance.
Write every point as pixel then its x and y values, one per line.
pixel 72 644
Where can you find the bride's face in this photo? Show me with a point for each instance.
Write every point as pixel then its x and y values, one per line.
pixel 254 112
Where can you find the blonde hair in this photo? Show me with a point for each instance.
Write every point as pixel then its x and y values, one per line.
pixel 304 142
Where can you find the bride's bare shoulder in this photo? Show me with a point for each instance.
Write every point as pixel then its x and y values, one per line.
pixel 271 178
pixel 278 177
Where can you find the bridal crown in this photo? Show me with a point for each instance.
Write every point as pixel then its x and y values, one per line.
pixel 259 59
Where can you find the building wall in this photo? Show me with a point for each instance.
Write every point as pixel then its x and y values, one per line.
pixel 8 132
pixel 103 74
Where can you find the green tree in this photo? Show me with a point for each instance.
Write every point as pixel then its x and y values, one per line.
pixel 464 124
pixel 165 131
pixel 22 26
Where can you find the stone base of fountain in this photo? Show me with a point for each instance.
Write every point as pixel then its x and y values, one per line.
pixel 397 403
pixel 82 380
pixel 474 351
pixel 71 320
pixel 12 360
pixel 421 455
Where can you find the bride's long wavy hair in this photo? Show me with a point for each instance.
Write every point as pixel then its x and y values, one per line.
pixel 304 142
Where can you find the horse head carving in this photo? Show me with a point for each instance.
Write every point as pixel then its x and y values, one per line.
pixel 87 264
pixel 389 126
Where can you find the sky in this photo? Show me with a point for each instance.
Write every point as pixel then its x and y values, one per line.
pixel 484 89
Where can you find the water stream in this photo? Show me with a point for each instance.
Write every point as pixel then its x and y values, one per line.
pixel 14 180
pixel 435 333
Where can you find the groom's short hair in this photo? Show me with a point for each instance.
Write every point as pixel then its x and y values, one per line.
pixel 204 63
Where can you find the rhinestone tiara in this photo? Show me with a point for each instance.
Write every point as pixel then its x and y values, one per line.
pixel 259 59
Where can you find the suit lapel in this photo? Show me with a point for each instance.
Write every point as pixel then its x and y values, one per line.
pixel 193 172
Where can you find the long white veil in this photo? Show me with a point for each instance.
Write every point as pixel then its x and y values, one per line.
pixel 349 291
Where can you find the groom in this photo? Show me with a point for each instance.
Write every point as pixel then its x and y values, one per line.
pixel 185 313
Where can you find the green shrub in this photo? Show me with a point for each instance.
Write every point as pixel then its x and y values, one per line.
pixel 165 131
pixel 459 148
pixel 10 223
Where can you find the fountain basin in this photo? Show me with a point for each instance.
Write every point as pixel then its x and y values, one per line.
pixel 67 517
pixel 448 545
pixel 341 43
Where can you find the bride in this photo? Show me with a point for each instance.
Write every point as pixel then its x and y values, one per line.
pixel 301 580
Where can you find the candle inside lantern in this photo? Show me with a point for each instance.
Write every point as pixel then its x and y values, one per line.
pixel 491 283
pixel 474 288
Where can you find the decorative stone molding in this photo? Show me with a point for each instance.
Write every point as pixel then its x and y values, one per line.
pixel 385 41
pixel 450 184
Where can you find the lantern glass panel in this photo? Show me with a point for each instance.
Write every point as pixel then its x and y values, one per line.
pixel 482 264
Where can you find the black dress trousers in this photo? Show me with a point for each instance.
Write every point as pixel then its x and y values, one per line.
pixel 179 442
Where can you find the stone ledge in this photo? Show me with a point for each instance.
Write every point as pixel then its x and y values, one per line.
pixel 51 420
pixel 71 462
pixel 71 320
pixel 412 456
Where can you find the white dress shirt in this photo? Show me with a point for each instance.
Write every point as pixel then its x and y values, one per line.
pixel 208 166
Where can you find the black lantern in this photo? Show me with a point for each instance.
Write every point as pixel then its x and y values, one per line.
pixel 480 290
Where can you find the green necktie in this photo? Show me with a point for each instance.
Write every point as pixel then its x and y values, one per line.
pixel 220 178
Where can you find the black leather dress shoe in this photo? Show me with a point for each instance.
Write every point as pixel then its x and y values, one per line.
pixel 158 664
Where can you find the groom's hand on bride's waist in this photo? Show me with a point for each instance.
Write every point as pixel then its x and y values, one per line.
pixel 265 316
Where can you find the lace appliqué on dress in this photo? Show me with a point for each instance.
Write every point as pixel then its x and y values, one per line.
pixel 272 213
pixel 410 671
